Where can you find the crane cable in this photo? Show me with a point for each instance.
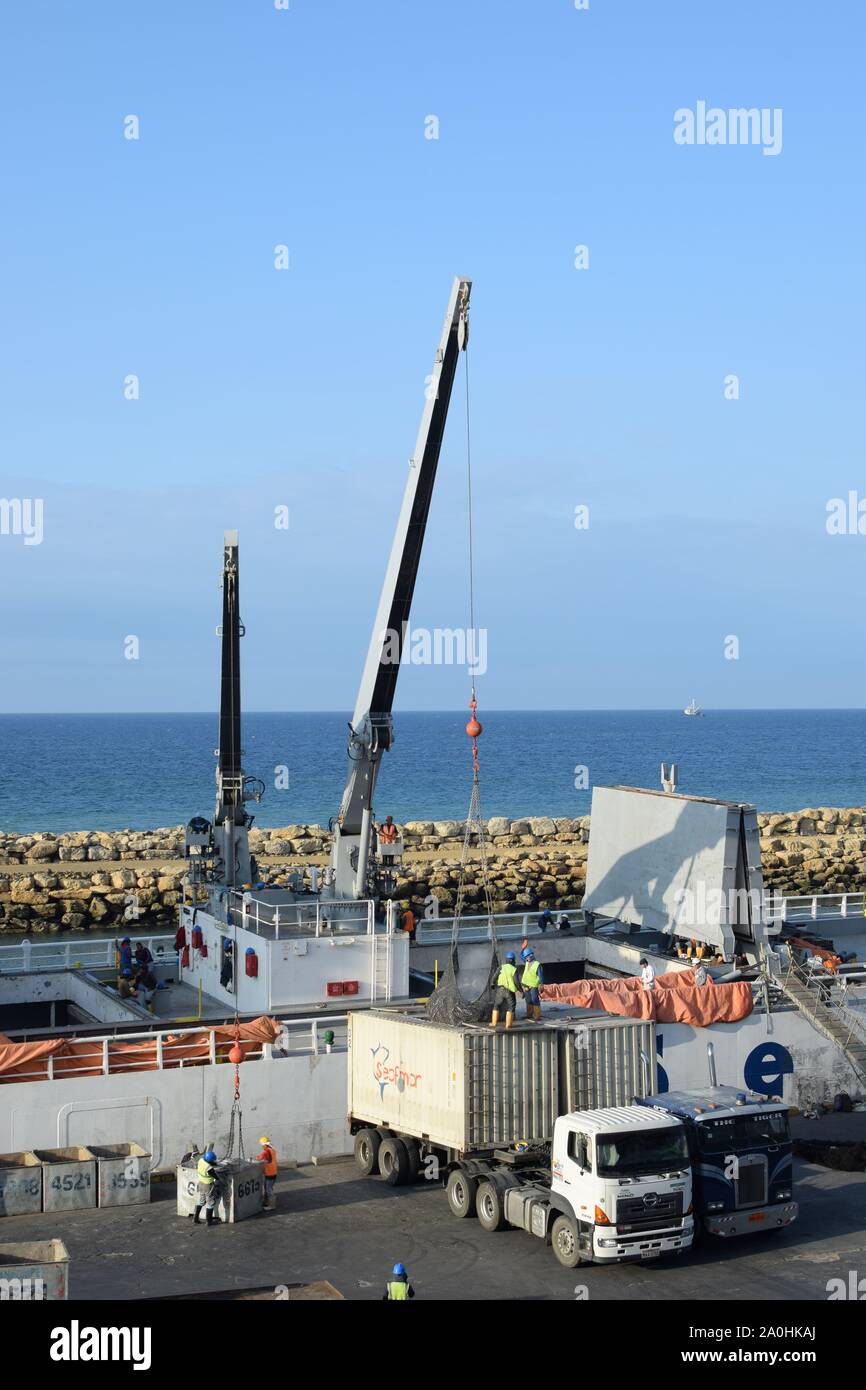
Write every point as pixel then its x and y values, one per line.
pixel 236 1052
pixel 474 820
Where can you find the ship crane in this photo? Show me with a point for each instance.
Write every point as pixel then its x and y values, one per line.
pixel 222 850
pixel 371 730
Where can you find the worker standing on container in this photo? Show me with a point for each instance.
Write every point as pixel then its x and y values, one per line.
pixel 398 1289
pixel 268 1157
pixel 531 980
pixel 506 991
pixel 208 1188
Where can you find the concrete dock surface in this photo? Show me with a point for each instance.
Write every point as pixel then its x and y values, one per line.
pixel 333 1224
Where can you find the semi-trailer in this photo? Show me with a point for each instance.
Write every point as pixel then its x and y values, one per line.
pixel 532 1127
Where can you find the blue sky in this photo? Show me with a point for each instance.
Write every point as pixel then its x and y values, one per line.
pixel 602 387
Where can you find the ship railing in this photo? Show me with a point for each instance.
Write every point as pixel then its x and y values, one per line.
pixel 317 918
pixel 812 907
pixel 106 1055
pixel 509 926
pixel 80 953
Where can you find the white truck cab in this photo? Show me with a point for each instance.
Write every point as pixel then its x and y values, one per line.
pixel 622 1184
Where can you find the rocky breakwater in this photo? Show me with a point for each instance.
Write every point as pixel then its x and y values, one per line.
pixel 98 879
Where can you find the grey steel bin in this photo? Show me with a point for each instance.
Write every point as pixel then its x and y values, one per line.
pixel 123 1174
pixel 20 1184
pixel 68 1178
pixel 242 1189
pixel 34 1270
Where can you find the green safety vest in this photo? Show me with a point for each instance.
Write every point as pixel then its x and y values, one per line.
pixel 204 1175
pixel 530 975
pixel 508 978
pixel 398 1291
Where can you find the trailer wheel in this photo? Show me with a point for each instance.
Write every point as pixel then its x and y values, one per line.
pixel 461 1191
pixel 367 1145
pixel 393 1161
pixel 563 1238
pixel 489 1206
pixel 413 1153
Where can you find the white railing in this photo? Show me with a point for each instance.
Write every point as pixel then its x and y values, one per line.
pixel 316 918
pixel 508 926
pixel 812 907
pixel 100 1056
pixel 78 953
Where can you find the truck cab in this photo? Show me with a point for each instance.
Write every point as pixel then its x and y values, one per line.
pixel 621 1181
pixel 741 1155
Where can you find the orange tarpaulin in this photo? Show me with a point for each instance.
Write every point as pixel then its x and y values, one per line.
pixel 675 999
pixel 86 1057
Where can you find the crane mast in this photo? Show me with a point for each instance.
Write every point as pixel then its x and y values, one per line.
pixel 371 730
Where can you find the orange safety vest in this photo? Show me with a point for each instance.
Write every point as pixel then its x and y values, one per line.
pixel 268 1155
pixel 408 919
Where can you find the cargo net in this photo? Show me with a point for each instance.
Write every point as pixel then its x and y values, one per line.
pixel 467 989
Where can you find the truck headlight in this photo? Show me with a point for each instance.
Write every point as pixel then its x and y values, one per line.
pixel 607 1243
pixel 715 1206
pixel 783 1194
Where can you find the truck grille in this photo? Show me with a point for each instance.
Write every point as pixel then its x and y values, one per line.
pixel 652 1210
pixel 751 1184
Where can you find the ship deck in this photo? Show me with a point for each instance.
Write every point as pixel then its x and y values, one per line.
pixel 333 1224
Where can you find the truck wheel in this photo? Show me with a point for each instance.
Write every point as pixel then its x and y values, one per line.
pixel 393 1161
pixel 413 1153
pixel 489 1206
pixel 563 1238
pixel 461 1192
pixel 367 1145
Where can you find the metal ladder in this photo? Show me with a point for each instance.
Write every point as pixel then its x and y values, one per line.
pixel 843 1026
pixel 382 952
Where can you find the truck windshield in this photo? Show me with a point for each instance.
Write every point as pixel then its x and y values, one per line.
pixel 647 1151
pixel 743 1131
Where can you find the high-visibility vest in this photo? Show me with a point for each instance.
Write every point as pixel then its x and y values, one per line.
pixel 508 977
pixel 270 1160
pixel 398 1290
pixel 530 975
pixel 204 1172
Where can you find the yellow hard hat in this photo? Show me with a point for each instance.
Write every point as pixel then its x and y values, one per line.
pixel 264 1139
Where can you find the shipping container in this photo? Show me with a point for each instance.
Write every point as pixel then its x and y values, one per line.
pixel 471 1089
pixel 123 1177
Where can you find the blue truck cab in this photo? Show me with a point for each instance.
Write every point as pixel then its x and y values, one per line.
pixel 741 1155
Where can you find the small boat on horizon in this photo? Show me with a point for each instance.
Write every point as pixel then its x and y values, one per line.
pixel 693 708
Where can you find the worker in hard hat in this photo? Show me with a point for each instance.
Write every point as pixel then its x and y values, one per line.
pixel 531 980
pixel 268 1157
pixel 125 987
pixel 208 1188
pixel 398 1288
pixel 388 837
pixel 506 991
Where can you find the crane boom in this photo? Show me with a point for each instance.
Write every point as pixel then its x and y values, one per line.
pixel 371 731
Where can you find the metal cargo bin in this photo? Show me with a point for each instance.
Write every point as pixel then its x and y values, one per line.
pixel 123 1174
pixel 34 1270
pixel 243 1190
pixel 20 1184
pixel 600 1061
pixel 464 1088
pixel 68 1178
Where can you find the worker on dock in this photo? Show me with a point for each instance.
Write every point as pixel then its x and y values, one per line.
pixel 398 1289
pixel 647 974
pixel 143 956
pixel 408 923
pixel 208 1188
pixel 506 991
pixel 268 1157
pixel 125 955
pixel 699 972
pixel 545 920
pixel 531 980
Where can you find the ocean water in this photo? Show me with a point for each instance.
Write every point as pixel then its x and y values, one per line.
pixel 139 771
